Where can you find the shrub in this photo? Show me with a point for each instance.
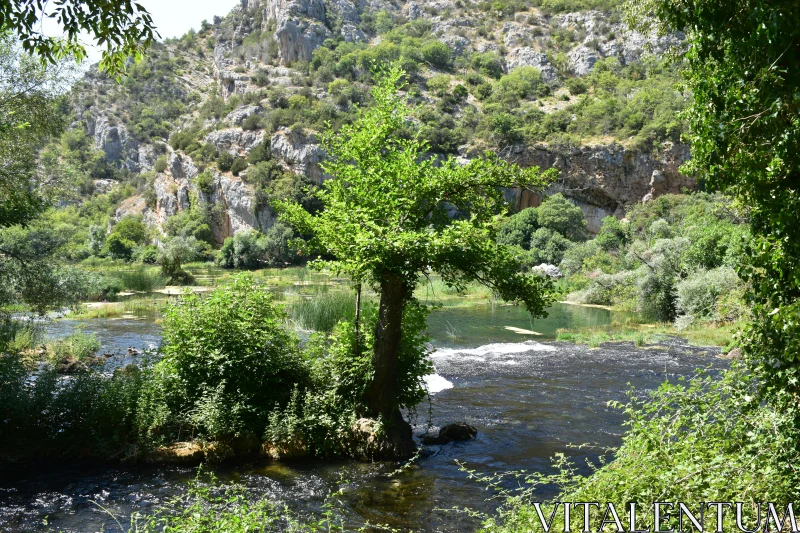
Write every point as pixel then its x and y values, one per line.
pixel 561 216
pixel 437 54
pixel 577 86
pixel 229 352
pixel 517 230
pixel 698 294
pixel 488 64
pixel 224 162
pixel 119 247
pixel 613 235
pixel 239 164
pixel 147 254
pixel 161 164
pixel 548 246
pixel 260 153
pixel 245 249
pixel 205 181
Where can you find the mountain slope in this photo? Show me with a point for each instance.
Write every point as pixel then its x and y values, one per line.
pixel 554 83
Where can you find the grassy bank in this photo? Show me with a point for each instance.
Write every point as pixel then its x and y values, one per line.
pixel 699 334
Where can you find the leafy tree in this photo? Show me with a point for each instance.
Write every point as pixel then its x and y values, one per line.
pixel 517 230
pixel 437 54
pixel 125 28
pixel 558 214
pixel 386 222
pixel 743 70
pixel 173 254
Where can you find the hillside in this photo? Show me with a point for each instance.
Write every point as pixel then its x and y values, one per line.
pixel 212 127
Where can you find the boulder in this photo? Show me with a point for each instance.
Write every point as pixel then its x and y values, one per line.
pixel 550 271
pixel 291 450
pixel 459 431
pixel 186 453
pixel 372 441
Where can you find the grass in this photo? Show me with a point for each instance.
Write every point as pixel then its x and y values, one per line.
pixel 703 334
pixel 145 307
pixel 141 279
pixel 79 345
pixel 325 309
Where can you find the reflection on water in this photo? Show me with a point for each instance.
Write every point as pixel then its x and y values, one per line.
pixel 527 399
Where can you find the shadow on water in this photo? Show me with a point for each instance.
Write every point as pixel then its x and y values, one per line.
pixel 527 399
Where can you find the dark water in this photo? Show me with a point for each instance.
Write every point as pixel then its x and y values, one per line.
pixel 527 399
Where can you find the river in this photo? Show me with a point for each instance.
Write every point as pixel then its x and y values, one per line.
pixel 528 396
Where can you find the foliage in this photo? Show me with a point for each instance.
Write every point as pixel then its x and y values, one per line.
pixel 687 442
pixel 386 222
pixel 230 349
pixel 699 295
pixel 141 278
pixel 246 249
pixel 78 345
pixel 173 254
pixel 125 28
pixel 557 214
pixel 742 71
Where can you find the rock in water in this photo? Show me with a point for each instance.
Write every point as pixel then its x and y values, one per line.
pixel 451 432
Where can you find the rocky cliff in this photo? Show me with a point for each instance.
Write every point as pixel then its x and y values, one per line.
pixel 256 60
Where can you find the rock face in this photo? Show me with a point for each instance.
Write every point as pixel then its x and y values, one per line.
pixel 300 27
pixel 174 192
pixel 300 152
pixel 235 141
pixel 114 141
pixel 603 179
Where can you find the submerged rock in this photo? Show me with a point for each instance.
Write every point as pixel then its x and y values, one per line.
pixel 458 431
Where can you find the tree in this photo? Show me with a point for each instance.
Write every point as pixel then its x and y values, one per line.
pixel 387 221
pixel 558 214
pixel 124 27
pixel 743 70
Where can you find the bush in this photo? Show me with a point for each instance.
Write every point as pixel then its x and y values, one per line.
pixel 119 248
pixel 245 249
pixel 517 230
pixel 205 181
pixel 437 54
pixel 699 294
pixel 613 235
pixel 261 152
pixel 577 86
pixel 224 162
pixel 548 246
pixel 228 355
pixel 239 164
pixel 160 164
pixel 561 216
pixel 708 440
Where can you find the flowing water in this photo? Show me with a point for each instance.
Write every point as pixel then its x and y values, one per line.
pixel 529 398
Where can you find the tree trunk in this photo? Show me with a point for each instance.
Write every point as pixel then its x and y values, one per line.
pixel 381 397
pixel 382 392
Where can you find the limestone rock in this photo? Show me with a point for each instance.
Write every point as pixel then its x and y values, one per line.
pixel 240 114
pixel 369 442
pixel 582 59
pixel 235 141
pixel 527 56
pixel 603 179
pixel 187 453
pixel 551 271
pixel 285 451
pixel 300 27
pixel 300 152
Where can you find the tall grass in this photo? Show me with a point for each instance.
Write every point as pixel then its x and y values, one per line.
pixel 323 310
pixel 19 335
pixel 143 279
pixel 78 345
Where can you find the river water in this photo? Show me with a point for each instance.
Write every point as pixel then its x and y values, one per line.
pixel 529 397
